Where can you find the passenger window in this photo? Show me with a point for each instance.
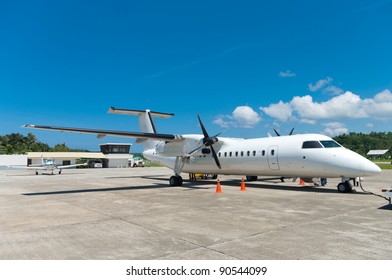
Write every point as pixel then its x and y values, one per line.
pixel 230 154
pixel 311 145
pixel 272 152
pixel 242 153
pixel 225 154
pixel 219 154
pixel 263 153
pixel 248 153
pixel 254 153
pixel 236 154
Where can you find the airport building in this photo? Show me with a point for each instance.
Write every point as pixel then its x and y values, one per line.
pixel 112 155
pixel 377 153
pixel 116 155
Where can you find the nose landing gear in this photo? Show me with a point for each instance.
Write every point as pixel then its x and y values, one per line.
pixel 345 187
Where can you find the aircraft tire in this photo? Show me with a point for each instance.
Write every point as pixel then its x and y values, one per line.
pixel 179 181
pixel 344 187
pixel 175 181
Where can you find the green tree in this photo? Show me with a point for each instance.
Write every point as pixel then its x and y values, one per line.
pixel 61 148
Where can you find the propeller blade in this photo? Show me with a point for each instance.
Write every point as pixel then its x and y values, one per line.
pixel 195 150
pixel 215 157
pixel 277 133
pixel 202 127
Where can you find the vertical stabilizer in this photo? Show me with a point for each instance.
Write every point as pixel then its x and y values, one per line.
pixel 146 122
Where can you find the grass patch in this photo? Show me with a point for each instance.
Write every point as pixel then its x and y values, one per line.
pixel 385 165
pixel 152 164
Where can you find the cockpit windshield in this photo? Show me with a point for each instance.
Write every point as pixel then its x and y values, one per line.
pixel 311 145
pixel 330 144
pixel 320 144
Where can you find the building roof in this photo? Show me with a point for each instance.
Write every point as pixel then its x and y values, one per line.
pixel 65 155
pixel 377 152
pixel 116 144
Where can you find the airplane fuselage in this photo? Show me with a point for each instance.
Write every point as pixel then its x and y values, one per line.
pixel 277 156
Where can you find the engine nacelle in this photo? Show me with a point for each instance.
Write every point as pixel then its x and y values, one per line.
pixel 179 148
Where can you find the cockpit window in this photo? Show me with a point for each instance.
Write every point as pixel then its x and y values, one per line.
pixel 311 145
pixel 330 144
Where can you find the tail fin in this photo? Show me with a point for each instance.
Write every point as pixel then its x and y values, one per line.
pixel 146 122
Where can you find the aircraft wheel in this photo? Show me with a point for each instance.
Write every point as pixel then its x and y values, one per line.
pixel 344 187
pixel 175 181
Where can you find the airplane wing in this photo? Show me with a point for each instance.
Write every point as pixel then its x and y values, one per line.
pixel 70 166
pixel 103 133
pixel 27 167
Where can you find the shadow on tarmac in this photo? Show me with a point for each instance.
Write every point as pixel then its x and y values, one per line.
pixel 386 207
pixel 128 188
pixel 195 185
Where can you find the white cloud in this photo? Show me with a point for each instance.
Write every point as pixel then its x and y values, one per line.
pixel 287 74
pixel 347 105
pixel 242 116
pixel 334 90
pixel 326 86
pixel 319 84
pixel 220 120
pixel 384 96
pixel 344 106
pixel 307 121
pixel 369 125
pixel 334 129
pixel 379 107
pixel 280 111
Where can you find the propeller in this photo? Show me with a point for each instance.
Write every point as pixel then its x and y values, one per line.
pixel 209 142
pixel 278 134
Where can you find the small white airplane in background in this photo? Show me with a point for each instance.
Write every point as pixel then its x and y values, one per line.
pixel 48 166
pixel 302 155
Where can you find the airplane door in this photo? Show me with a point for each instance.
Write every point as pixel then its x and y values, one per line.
pixel 272 157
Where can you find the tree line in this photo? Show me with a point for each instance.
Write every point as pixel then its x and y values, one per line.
pixel 363 143
pixel 16 143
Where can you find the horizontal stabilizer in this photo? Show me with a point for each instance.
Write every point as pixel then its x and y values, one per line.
pixel 113 110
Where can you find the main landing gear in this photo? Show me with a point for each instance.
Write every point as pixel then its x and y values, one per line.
pixel 345 187
pixel 175 181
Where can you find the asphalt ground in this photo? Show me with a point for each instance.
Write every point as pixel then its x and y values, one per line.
pixel 133 213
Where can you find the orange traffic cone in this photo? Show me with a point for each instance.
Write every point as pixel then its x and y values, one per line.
pixel 218 187
pixel 243 188
pixel 301 182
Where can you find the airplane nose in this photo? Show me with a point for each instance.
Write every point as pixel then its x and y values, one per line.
pixel 371 168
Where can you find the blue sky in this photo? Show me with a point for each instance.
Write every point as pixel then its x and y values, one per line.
pixel 245 66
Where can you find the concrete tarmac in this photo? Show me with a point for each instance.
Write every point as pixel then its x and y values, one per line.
pixel 133 213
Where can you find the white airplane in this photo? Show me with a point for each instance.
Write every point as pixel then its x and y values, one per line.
pixel 48 166
pixel 302 155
